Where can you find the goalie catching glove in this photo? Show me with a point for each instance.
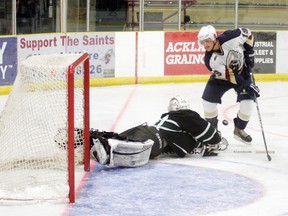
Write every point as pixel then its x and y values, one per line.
pixel 61 138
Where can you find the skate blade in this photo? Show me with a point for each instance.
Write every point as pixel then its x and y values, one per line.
pixel 241 140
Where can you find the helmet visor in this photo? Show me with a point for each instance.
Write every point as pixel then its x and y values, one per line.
pixel 203 41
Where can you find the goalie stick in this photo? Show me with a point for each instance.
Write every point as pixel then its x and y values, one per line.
pixel 260 121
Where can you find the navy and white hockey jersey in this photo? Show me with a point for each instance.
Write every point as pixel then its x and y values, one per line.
pixel 238 40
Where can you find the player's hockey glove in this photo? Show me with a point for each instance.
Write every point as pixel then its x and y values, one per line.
pixel 254 90
pixel 249 58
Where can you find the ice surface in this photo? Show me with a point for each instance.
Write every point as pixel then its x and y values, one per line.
pixel 239 181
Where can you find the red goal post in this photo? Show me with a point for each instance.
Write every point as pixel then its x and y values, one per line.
pixel 86 82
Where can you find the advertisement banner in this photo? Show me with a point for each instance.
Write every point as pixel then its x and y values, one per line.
pixel 265 52
pixel 183 55
pixel 8 60
pixel 39 44
pixel 100 47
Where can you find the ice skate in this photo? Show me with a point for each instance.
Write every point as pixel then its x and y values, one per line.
pixel 209 150
pixel 167 150
pixel 221 146
pixel 242 136
pixel 205 150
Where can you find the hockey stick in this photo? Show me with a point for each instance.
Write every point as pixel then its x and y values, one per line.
pixel 260 121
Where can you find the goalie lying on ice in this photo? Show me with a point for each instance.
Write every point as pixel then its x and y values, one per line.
pixel 180 131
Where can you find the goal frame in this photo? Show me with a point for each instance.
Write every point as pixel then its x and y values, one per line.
pixel 71 115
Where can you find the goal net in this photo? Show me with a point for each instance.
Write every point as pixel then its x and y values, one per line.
pixel 44 129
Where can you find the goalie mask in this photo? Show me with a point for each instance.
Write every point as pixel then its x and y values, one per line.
pixel 206 33
pixel 178 103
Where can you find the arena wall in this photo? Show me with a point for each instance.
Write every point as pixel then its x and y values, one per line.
pixel 118 58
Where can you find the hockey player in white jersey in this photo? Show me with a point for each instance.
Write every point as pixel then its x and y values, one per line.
pixel 230 57
pixel 180 131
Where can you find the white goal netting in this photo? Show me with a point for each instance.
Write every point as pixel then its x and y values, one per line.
pixel 33 129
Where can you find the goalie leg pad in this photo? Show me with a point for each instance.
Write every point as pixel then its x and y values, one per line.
pixel 128 153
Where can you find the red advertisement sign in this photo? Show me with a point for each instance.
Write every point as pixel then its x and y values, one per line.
pixel 183 55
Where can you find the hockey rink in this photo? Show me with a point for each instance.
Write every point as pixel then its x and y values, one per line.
pixel 239 181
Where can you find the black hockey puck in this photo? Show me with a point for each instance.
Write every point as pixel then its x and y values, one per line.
pixel 225 122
